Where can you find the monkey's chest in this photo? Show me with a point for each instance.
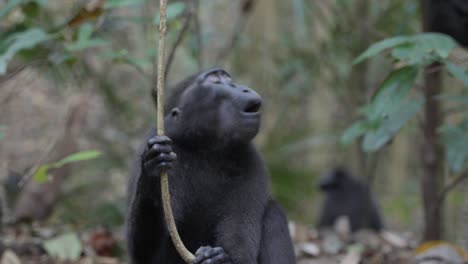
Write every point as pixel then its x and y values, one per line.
pixel 199 202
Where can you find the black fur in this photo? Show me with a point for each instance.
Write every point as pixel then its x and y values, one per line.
pixel 218 182
pixel 450 17
pixel 348 196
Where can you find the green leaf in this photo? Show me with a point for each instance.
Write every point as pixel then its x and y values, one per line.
pixel 388 111
pixel 380 47
pixel 85 32
pixel 356 130
pixel 66 247
pixel 20 41
pixel 440 44
pixel 84 39
pixel 394 121
pixel 79 156
pixel 173 10
pixel 393 90
pixel 425 49
pixel 418 49
pixel 410 53
pixel 10 5
pixel 455 139
pixel 91 43
pixel 121 3
pixel 41 175
pixel 458 72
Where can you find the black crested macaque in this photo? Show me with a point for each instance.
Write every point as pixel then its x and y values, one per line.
pixel 348 196
pixel 218 181
pixel 449 17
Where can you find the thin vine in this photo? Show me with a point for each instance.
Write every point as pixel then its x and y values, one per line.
pixel 166 198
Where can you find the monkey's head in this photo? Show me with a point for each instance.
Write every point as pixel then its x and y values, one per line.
pixel 210 108
pixel 334 179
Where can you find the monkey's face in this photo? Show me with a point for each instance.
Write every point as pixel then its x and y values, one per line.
pixel 329 182
pixel 334 179
pixel 216 107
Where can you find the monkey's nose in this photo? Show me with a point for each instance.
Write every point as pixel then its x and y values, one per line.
pixel 253 105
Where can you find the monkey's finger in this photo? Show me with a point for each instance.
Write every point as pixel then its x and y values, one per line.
pixel 156 150
pixel 221 258
pixel 217 251
pixel 159 140
pixel 199 259
pixel 215 255
pixel 165 157
pixel 157 165
pixel 200 250
pixel 221 255
pixel 201 255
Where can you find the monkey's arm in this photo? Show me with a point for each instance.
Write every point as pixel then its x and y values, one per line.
pixel 145 221
pixel 276 245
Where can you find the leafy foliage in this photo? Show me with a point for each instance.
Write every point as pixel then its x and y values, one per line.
pixel 20 41
pixel 41 174
pixel 389 110
pixel 458 72
pixel 456 145
pixel 85 39
pixel 422 49
pixel 122 3
pixel 56 46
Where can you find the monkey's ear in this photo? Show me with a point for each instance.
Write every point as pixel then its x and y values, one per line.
pixel 175 112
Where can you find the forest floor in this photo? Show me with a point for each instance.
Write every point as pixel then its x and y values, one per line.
pixel 40 245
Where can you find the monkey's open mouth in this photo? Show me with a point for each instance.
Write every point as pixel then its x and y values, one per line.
pixel 253 107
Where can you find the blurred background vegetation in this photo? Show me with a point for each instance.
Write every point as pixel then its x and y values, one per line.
pixel 77 75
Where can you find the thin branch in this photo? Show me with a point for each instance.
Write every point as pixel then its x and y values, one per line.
pixel 19 69
pixel 180 38
pixel 450 186
pixel 48 150
pixel 246 9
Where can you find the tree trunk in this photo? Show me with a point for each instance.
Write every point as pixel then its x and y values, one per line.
pixel 432 154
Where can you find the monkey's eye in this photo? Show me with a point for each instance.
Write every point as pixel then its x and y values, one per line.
pixel 213 78
pixel 226 77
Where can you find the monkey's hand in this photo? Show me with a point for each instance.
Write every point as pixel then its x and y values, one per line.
pixel 158 156
pixel 211 255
